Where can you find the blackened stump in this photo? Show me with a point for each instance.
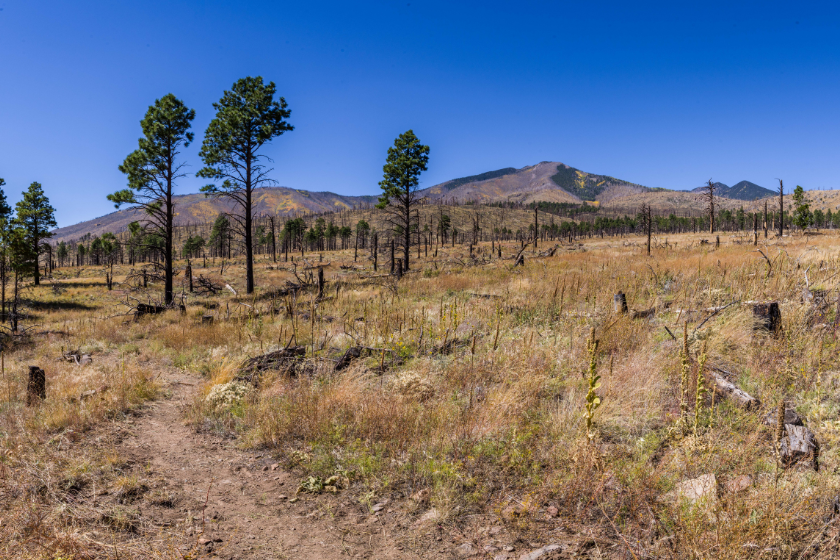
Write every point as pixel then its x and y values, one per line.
pixel 620 303
pixel 768 315
pixel 36 389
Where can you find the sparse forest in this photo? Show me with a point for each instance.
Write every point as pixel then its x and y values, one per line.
pixel 414 379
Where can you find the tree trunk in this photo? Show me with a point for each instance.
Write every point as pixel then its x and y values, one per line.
pixel 36 388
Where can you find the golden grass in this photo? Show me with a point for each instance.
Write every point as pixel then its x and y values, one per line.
pixel 483 407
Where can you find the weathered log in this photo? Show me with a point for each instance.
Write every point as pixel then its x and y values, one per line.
pixel 791 417
pixel 520 260
pixel 36 388
pixel 643 314
pixel 799 443
pixel 146 309
pixel 769 316
pixel 284 360
pixel 728 390
pixel 352 353
pixel 620 303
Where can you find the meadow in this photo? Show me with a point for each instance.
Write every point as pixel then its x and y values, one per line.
pixel 480 395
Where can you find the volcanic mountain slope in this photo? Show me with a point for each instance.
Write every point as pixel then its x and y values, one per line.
pixel 197 208
pixel 546 181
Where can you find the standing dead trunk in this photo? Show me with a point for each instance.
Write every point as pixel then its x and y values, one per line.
pixel 36 388
pixel 781 208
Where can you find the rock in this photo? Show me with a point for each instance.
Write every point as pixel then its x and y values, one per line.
pixel 540 552
pixel 508 548
pixel 738 484
pixel 421 496
pixel 431 515
pixel 465 549
pixel 791 417
pixel 379 507
pixel 552 511
pixel 798 443
pixel 282 497
pixel 489 548
pixel 275 466
pixel 85 360
pixel 513 512
pixel 702 487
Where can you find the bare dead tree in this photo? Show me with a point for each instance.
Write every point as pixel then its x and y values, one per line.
pixel 765 219
pixel 646 217
pixel 781 208
pixel 707 195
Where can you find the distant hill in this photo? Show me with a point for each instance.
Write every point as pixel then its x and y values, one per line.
pixel 744 190
pixel 196 208
pixel 547 181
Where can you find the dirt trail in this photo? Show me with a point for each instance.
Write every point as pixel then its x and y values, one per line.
pixel 247 513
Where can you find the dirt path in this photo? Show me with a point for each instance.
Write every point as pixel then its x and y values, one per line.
pixel 247 513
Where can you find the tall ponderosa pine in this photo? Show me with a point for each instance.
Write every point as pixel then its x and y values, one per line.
pixel 247 117
pixel 35 216
pixel 406 160
pixel 152 170
pixel 5 240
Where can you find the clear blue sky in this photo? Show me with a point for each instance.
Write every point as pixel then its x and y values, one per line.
pixel 666 94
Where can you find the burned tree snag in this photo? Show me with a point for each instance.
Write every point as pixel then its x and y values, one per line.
pixel 707 195
pixel 375 251
pixel 765 219
pixel 36 388
pixel 620 303
pixel 393 263
pixel 399 269
pixel 768 316
pixel 781 208
pixel 647 223
pixel 320 282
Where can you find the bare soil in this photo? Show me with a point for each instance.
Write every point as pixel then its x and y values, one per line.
pixel 200 493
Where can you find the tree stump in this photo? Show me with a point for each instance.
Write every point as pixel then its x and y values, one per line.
pixel 620 303
pixel 36 389
pixel 768 315
pixel 399 269
pixel 799 443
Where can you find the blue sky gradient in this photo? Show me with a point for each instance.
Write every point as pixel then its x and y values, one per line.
pixel 661 94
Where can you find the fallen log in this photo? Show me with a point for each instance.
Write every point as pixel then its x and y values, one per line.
pixel 729 390
pixel 643 314
pixel 285 360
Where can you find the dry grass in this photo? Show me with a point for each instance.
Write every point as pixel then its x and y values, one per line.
pixel 481 398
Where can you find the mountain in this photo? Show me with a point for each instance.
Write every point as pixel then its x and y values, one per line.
pixel 740 191
pixel 547 181
pixel 196 208
pixel 748 191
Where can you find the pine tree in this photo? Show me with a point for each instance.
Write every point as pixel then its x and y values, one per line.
pixel 406 160
pixel 801 209
pixel 152 170
pixel 247 117
pixel 35 216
